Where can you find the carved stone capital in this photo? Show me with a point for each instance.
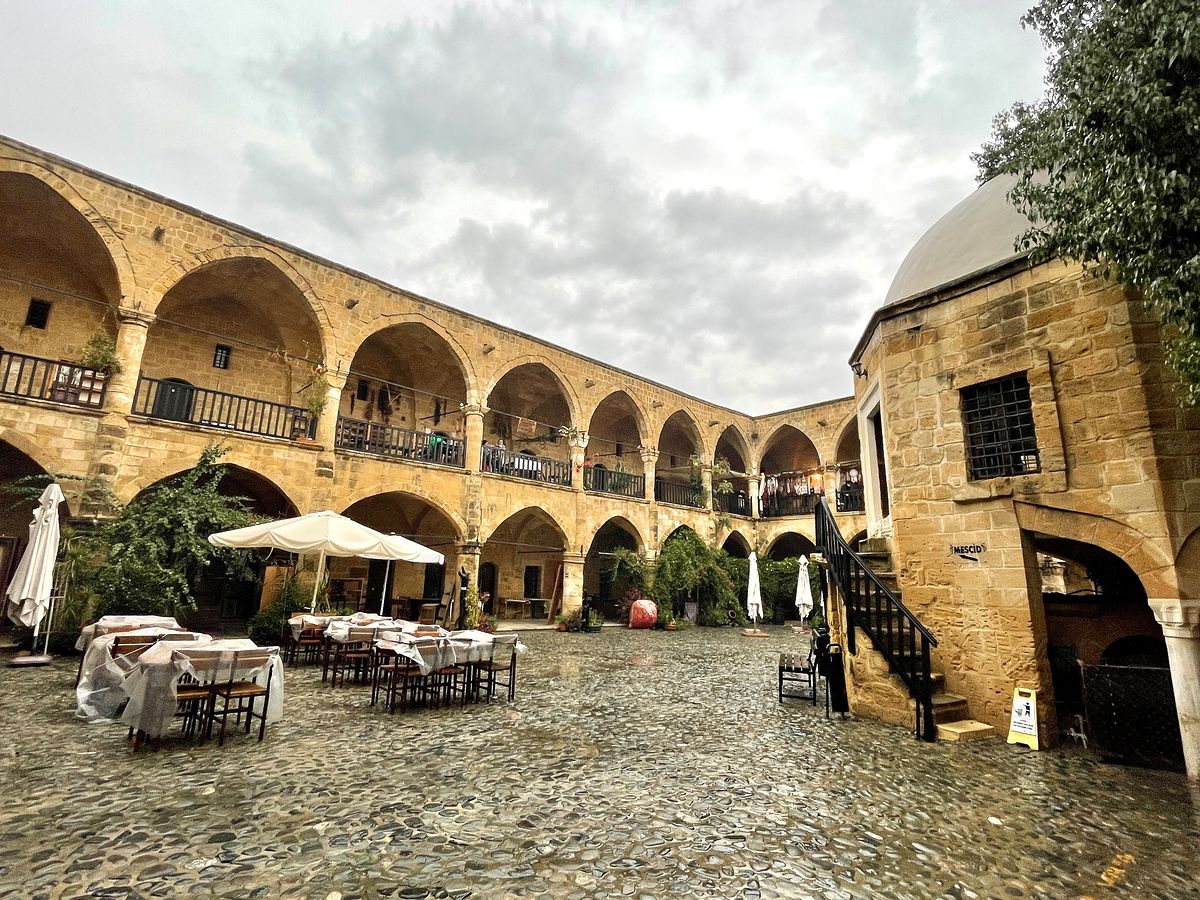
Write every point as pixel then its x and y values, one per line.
pixel 1178 618
pixel 136 317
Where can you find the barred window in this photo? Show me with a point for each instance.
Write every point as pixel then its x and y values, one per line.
pixel 998 424
pixel 221 356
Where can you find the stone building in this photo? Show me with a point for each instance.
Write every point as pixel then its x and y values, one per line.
pixel 1008 412
pixel 523 462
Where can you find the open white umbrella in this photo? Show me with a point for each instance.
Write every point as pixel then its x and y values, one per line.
pixel 329 534
pixel 804 597
pixel 754 592
pixel 33 581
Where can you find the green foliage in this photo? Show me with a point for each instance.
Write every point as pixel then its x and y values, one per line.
pixel 266 627
pixel 473 609
pixel 628 570
pixel 157 546
pixel 100 354
pixel 1108 161
pixel 688 569
pixel 776 580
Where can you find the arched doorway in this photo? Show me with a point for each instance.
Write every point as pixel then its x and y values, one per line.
pixel 527 551
pixel 736 546
pixel 613 459
pixel 58 284
pixel 792 477
pixel 523 437
pixel 616 533
pixel 404 397
pixel 399 588
pixel 677 476
pixel 1106 653
pixel 17 471
pixel 790 545
pixel 233 346
pixel 732 452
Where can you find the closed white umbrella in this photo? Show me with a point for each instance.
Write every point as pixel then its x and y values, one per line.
pixel 754 606
pixel 804 597
pixel 329 534
pixel 33 581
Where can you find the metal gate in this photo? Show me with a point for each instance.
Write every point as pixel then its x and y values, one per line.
pixel 1131 716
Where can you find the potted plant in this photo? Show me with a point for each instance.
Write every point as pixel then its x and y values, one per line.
pixel 594 622
pixel 671 624
pixel 316 396
pixel 561 622
pixel 99 361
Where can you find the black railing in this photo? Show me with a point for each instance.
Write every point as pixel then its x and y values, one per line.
pixel 499 461
pixel 46 379
pixel 850 498
pixel 609 481
pixel 737 503
pixel 775 506
pixel 177 401
pixel 894 631
pixel 398 443
pixel 679 494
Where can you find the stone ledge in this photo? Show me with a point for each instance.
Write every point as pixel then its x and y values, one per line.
pixel 602 495
pixel 529 481
pixel 227 432
pixel 383 457
pixel 44 403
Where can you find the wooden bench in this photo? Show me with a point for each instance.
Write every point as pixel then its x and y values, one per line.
pixel 799 673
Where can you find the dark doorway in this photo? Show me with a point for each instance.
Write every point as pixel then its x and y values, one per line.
pixel 379 578
pixel 533 581
pixel 174 400
pixel 435 580
pixel 487 585
pixel 876 422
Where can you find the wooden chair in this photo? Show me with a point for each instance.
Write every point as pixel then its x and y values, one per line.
pixel 352 654
pixel 430 613
pixel 238 690
pixel 398 677
pixel 798 674
pixel 503 662
pixel 308 644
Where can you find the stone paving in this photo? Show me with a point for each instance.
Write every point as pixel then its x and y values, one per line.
pixel 632 764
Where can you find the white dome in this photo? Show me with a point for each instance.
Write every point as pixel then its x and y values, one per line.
pixel 977 234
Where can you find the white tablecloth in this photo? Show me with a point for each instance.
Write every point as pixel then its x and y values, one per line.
pixel 100 694
pixel 429 653
pixel 107 623
pixel 152 686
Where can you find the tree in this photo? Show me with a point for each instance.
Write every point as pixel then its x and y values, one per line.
pixel 1108 161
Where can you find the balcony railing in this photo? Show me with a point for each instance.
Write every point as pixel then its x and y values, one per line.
pixel 398 443
pixel 177 401
pixel 499 461
pixel 775 506
pixel 850 498
pixel 679 494
pixel 607 481
pixel 737 504
pixel 47 379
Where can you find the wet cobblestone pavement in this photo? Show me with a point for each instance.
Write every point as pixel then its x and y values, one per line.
pixel 632 764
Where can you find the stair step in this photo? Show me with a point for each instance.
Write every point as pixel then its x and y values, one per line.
pixel 946 707
pixel 964 730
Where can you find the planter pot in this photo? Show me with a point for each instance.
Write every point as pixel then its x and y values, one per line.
pixel 670 626
pixel 562 626
pixel 591 629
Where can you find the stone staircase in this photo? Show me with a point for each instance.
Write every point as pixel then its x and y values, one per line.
pixel 950 712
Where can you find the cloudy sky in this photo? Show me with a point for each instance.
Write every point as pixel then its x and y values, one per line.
pixel 714 195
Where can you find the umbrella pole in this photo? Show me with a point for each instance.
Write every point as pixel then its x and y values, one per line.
pixel 387 576
pixel 317 583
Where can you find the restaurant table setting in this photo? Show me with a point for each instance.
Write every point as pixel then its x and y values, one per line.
pixel 438 651
pixel 110 624
pixel 100 692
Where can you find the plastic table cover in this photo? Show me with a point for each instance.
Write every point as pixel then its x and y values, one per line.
pixel 100 694
pixel 105 624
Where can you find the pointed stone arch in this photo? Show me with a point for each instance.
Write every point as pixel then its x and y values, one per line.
pixel 384 322
pixel 639 414
pixel 353 497
pixel 568 392
pixel 775 447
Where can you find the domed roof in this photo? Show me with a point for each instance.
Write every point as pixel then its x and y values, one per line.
pixel 977 234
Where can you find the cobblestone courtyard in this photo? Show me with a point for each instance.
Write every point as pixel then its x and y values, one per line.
pixel 632 764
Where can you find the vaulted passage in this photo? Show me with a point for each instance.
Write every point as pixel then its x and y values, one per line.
pixel 522 431
pixel 792 478
pixel 616 533
pixel 613 461
pixel 525 553
pixel 677 476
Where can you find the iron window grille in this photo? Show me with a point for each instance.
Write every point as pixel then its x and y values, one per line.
pixel 221 356
pixel 998 424
pixel 38 314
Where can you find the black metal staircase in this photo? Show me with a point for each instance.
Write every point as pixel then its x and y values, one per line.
pixel 872 606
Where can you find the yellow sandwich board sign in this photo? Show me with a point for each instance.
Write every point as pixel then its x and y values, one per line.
pixel 1023 728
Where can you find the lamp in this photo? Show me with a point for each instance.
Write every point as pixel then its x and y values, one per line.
pixel 488 348
pixel 858 369
pixel 351 303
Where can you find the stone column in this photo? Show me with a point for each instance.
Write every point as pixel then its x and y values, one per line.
pixel 468 561
pixel 473 414
pixel 1180 621
pixel 578 443
pixel 649 462
pixel 572 598
pixel 322 497
pixel 706 485
pixel 829 479
pixel 755 482
pixel 118 403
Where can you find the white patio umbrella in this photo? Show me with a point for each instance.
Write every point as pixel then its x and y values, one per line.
pixel 804 597
pixel 329 534
pixel 33 581
pixel 754 592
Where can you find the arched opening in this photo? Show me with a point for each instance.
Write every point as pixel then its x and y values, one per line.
pixel 677 477
pixel 16 512
pixel 736 546
pixel 523 429
pixel 616 533
pixel 399 588
pixel 732 494
pixel 58 289
pixel 527 551
pixel 850 497
pixel 792 477
pixel 225 603
pixel 404 397
pixel 1106 653
pixel 613 459
pixel 790 545
pixel 233 346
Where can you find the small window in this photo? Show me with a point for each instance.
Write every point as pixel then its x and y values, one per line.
pixel 620 450
pixel 998 425
pixel 38 315
pixel 221 356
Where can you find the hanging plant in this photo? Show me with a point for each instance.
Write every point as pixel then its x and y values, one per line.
pixel 100 355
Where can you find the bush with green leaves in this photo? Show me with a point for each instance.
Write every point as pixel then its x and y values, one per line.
pixel 266 627
pixel 687 569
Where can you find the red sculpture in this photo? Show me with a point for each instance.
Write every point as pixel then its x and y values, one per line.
pixel 643 614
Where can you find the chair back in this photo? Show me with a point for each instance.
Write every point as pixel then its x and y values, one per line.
pixel 125 650
pixel 504 647
pixel 361 634
pixel 180 636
